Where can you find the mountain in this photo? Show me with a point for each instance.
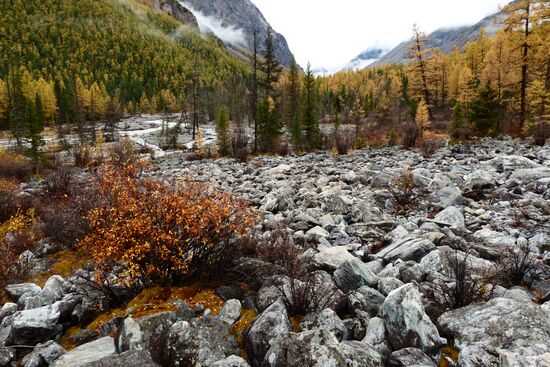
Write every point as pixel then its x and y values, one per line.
pixel 365 58
pixel 126 49
pixel 445 39
pixel 234 22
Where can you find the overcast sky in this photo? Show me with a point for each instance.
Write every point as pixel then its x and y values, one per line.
pixel 330 33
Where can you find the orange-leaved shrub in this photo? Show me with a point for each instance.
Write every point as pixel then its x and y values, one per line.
pixel 14 166
pixel 162 233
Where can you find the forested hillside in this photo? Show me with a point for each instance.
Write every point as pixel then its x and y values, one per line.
pixel 85 57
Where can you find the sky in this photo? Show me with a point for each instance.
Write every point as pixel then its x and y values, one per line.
pixel 331 33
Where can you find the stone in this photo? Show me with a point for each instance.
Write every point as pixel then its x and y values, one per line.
pixel 353 274
pixel 135 358
pixel 484 331
pixel 358 354
pixel 87 353
pixel 328 320
pixel 375 336
pixel 440 262
pixel 200 342
pixel 451 217
pixel 52 291
pixel 7 309
pixel 406 322
pixel 7 355
pixel 331 258
pixel 43 354
pixel 231 361
pixel 231 311
pixel 15 291
pixel 366 299
pixel 271 323
pixel 508 359
pixel 316 233
pixel 388 284
pixel 145 333
pixel 408 248
pixel 410 357
pixel 30 327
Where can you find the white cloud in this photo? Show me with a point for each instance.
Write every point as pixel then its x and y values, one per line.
pixel 330 33
pixel 211 24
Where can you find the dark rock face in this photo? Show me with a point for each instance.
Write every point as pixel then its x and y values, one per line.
pixel 244 15
pixel 175 9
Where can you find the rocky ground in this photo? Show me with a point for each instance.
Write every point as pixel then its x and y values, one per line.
pixel 382 258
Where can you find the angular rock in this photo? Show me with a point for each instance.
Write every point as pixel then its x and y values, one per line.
pixel 43 355
pixel 408 248
pixel 30 327
pixel 358 355
pixel 231 361
pixel 407 325
pixel 87 353
pixel 135 358
pixel 273 322
pixel 7 355
pixel 410 357
pixel 145 333
pixel 231 311
pixel 353 274
pixel 328 320
pixel 388 284
pixel 366 299
pixel 331 258
pixel 483 331
pixel 376 336
pixel 451 217
pixel 15 291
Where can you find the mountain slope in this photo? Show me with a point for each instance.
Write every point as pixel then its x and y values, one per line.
pixel 121 45
pixel 446 39
pixel 234 21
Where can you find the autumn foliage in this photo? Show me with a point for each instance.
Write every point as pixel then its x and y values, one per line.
pixel 164 234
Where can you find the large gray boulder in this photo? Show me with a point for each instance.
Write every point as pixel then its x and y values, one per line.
pixel 43 355
pixel 145 333
pixel 353 274
pixel 482 332
pixel 407 325
pixel 328 320
pixel 331 258
pixel 410 357
pixel 87 353
pixel 376 336
pixel 272 323
pixel 231 361
pixel 200 341
pixel 15 291
pixel 135 358
pixel 408 248
pixel 30 327
pixel 366 299
pixel 451 217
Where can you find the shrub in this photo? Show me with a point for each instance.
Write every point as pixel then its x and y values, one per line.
pixel 429 145
pixel 163 233
pixel 464 286
pixel 14 166
pixel 411 133
pixel 518 267
pixel 239 146
pixel 402 190
pixel 16 236
pixel 392 138
pixel 286 267
pixel 8 199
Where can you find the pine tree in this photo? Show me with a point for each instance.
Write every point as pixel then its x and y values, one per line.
pixel 294 105
pixel 17 104
pixel 484 111
pixel 222 131
pixel 270 66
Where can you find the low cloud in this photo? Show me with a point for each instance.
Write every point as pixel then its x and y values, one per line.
pixel 208 24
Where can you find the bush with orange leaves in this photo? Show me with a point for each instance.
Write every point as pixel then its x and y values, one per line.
pixel 163 234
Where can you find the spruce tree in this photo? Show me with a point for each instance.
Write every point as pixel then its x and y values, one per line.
pixel 310 122
pixel 34 125
pixel 222 131
pixel 294 105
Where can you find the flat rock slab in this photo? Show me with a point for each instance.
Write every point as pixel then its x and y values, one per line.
pixel 88 353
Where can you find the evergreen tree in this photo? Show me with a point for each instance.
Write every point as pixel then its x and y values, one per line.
pixel 270 66
pixel 17 104
pixel 310 122
pixel 222 131
pixel 34 125
pixel 457 122
pixel 294 106
pixel 484 112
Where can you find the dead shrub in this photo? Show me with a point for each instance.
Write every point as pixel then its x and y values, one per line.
pixel 464 286
pixel 164 234
pixel 8 199
pixel 518 267
pixel 429 145
pixel 286 267
pixel 403 191
pixel 14 166
pixel 410 134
